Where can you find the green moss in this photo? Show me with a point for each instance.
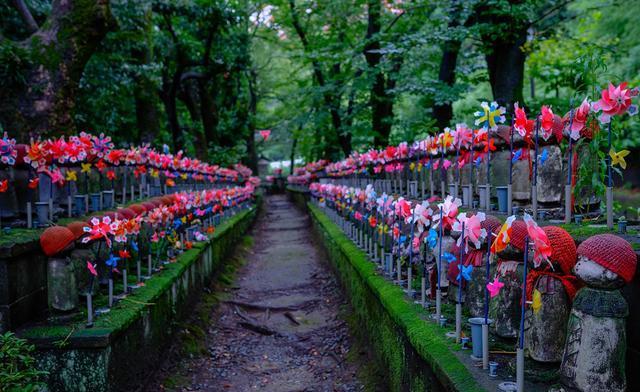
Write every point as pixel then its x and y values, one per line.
pixel 404 319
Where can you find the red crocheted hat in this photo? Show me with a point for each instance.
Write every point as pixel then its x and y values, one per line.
pixel 491 224
pixel 148 206
pixel 563 248
pixel 611 252
pixel 77 228
pixel 138 209
pixel 518 233
pixel 125 213
pixel 55 239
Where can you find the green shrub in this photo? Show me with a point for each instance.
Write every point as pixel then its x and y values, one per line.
pixel 17 365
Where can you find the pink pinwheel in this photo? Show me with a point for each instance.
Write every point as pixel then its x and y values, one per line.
pixel 462 135
pixel 542 246
pixel 265 133
pixel 615 101
pixel 92 268
pixel 473 231
pixel 494 287
pixel 449 212
pixel 422 214
pixel 8 152
pixel 403 208
pixel 580 117
pixel 546 122
pixel 522 124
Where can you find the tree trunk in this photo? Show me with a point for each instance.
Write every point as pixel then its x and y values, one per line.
pixel 58 53
pixel 188 94
pixel 251 159
pixel 443 111
pixel 379 99
pixel 505 63
pixel 169 95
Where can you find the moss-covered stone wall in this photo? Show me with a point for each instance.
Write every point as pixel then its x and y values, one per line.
pixel 412 351
pixel 125 344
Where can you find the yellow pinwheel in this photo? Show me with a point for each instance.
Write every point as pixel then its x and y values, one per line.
pixel 617 158
pixel 537 301
pixel 86 168
pixel 491 115
pixel 72 176
pixel 412 166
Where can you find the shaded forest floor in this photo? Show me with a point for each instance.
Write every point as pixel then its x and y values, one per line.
pixel 278 323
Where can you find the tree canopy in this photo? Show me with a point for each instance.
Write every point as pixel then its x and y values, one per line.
pixel 327 77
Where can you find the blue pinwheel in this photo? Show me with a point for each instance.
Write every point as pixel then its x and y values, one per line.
pixel 112 261
pixel 448 257
pixel 432 239
pixel 516 156
pixel 543 157
pixel 134 246
pixel 465 272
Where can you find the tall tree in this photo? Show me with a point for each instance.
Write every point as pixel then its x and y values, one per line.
pixel 41 96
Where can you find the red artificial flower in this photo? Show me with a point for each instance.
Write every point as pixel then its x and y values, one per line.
pixel 4 185
pixel 111 175
pixel 124 254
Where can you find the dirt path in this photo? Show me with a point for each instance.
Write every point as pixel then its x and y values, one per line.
pixel 282 328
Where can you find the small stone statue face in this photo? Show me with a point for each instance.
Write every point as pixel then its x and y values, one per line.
pixel 595 275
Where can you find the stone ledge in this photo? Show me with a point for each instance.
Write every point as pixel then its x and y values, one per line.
pixel 419 342
pixel 117 353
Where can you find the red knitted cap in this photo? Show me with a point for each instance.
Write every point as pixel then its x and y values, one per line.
pixel 518 233
pixel 148 206
pixel 138 209
pixel 126 213
pixel 77 228
pixel 491 224
pixel 563 248
pixel 611 252
pixel 55 239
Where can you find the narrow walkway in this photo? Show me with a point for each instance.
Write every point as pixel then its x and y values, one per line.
pixel 282 329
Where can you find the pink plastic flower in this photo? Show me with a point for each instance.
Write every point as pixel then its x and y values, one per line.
pixel 99 229
pixel 615 101
pixel 449 212
pixel 403 208
pixel 521 124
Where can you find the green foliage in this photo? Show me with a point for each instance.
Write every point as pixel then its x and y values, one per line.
pixel 18 370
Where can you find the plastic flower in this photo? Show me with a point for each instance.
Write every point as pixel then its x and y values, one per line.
pixel 421 216
pixel 542 246
pixel 124 254
pixel 111 175
pixel 504 236
pixel 617 158
pixel 490 116
pixel 4 185
pixel 615 101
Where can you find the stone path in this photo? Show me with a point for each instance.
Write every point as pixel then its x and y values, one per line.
pixel 282 328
